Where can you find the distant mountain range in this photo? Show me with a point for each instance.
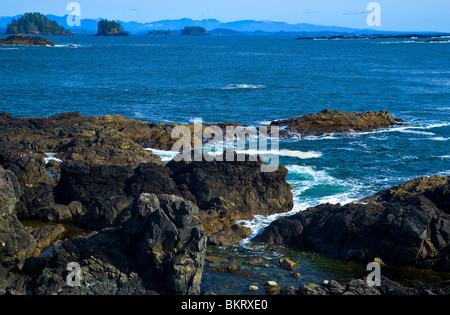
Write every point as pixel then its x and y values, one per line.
pixel 214 27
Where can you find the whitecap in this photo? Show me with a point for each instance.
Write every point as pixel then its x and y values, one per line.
pixel 287 153
pixel 165 155
pixel 51 157
pixel 439 139
pixel 243 86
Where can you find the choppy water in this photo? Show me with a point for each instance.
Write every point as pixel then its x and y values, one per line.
pixel 255 80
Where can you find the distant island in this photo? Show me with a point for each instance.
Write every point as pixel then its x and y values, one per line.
pixel 375 36
pixel 35 24
pixel 194 30
pixel 110 28
pixel 215 27
pixel 160 32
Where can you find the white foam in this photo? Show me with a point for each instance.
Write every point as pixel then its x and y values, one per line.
pixel 165 155
pixel 51 157
pixel 287 153
pixel 439 139
pixel 243 86
pixel 310 177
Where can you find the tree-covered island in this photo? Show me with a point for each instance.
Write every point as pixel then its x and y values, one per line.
pixel 110 28
pixel 194 30
pixel 35 24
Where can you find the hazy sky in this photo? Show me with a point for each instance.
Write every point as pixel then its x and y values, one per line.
pixel 396 15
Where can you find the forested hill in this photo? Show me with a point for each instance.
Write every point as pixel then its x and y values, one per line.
pixel 110 28
pixel 35 24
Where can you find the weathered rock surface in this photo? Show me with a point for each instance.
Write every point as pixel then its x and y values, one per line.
pixel 167 238
pixel 16 243
pixel 45 236
pixel 225 192
pixel 406 225
pixel 228 191
pixel 159 249
pixel 360 287
pixel 334 121
pixel 239 182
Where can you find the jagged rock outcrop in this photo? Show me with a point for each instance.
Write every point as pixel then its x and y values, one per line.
pixel 16 242
pixel 360 287
pixel 224 191
pixel 239 181
pixel 228 191
pixel 406 225
pixel 159 249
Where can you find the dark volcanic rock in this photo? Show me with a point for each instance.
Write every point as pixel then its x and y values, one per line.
pixel 35 182
pixel 75 137
pixel 227 191
pixel 409 229
pixel 435 188
pixel 105 212
pixel 151 178
pixel 159 249
pixel 360 287
pixel 168 240
pixel 333 121
pixel 45 236
pixel 240 182
pixel 83 182
pixel 16 243
pixel 19 40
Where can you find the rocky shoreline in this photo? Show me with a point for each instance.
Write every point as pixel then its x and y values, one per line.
pixel 147 224
pixel 406 225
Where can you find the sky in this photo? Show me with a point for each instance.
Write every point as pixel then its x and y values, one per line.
pixel 395 15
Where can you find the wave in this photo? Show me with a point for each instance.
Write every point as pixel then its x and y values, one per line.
pixel 312 187
pixel 169 155
pixel 243 86
pixel 416 42
pixel 287 153
pixel 439 139
pixel 165 155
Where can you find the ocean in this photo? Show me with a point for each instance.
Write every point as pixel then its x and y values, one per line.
pixel 254 80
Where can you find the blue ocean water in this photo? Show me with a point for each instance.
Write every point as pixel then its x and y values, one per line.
pixel 255 80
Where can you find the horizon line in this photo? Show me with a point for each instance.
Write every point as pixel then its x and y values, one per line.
pixel 263 20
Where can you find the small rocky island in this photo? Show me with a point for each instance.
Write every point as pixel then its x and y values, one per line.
pixel 194 30
pixel 19 40
pixel 35 24
pixel 335 121
pixel 110 28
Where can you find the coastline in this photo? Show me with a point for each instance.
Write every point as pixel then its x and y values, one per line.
pixel 75 180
